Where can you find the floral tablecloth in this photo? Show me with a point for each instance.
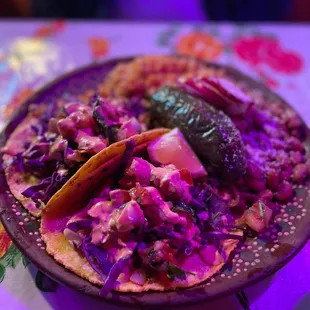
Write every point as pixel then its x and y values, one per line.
pixel 32 53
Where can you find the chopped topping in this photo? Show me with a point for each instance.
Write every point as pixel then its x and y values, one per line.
pixel 101 211
pixel 127 218
pixel 91 145
pixel 75 239
pixel 119 197
pixel 258 216
pixel 73 107
pixel 66 128
pixel 154 207
pixel 169 180
pixel 73 156
pixel 172 148
pixel 140 170
pixel 57 148
pixel 114 120
pixel 82 118
pixel 76 229
pixel 129 128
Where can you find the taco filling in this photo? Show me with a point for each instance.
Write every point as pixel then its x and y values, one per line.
pixel 55 141
pixel 154 227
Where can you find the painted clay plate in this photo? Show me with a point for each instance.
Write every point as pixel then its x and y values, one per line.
pixel 255 259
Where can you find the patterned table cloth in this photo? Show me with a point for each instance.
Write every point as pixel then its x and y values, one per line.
pixel 33 53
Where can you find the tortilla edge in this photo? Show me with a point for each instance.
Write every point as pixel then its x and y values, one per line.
pixel 54 242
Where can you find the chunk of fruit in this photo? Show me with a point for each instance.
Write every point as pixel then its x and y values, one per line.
pixel 258 216
pixel 140 170
pixel 119 197
pixel 128 218
pixel 172 148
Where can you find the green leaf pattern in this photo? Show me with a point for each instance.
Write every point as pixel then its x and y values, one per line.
pixel 9 260
pixel 2 273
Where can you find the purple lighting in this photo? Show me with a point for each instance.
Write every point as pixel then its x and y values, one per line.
pixel 168 10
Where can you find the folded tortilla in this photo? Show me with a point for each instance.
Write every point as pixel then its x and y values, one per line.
pixel 71 201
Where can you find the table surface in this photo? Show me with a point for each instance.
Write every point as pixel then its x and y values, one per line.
pixel 33 53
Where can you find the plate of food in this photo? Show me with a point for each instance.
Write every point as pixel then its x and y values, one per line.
pixel 156 180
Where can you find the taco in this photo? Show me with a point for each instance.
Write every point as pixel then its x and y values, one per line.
pixel 55 140
pixel 129 223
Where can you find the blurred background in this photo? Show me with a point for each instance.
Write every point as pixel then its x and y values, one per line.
pixel 160 10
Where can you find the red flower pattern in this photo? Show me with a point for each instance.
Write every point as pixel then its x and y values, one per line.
pixel 258 50
pixel 5 241
pixel 199 44
pixel 49 29
pixel 99 47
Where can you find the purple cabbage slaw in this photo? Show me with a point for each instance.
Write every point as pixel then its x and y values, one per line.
pixel 98 258
pixel 42 192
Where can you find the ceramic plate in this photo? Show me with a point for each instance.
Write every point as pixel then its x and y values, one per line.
pixel 255 259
